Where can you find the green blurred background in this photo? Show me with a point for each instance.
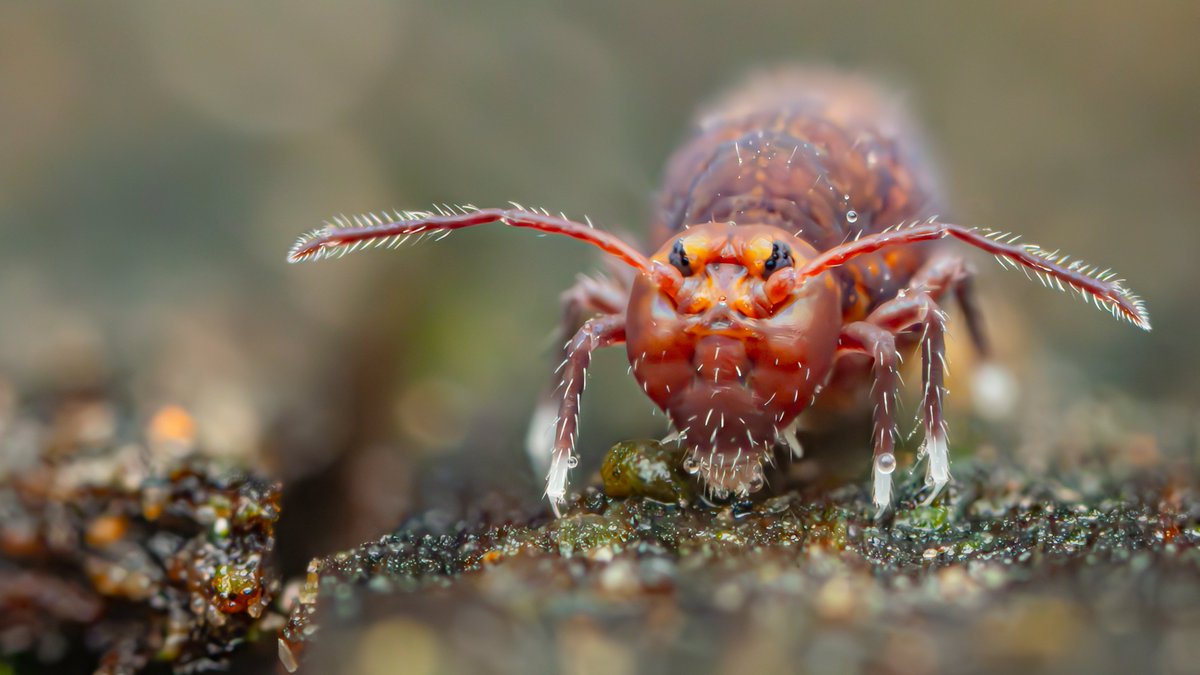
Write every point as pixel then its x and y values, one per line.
pixel 157 160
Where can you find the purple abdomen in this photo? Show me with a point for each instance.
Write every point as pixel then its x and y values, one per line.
pixel 827 156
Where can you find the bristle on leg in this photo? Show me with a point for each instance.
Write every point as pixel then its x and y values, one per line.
pixel 594 334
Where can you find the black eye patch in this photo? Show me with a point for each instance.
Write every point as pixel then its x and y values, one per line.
pixel 680 260
pixel 781 256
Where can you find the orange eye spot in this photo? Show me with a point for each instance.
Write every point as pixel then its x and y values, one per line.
pixel 756 253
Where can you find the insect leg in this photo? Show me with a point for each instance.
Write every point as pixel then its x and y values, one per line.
pixel 589 296
pixel 917 309
pixel 594 334
pixel 950 273
pixel 879 343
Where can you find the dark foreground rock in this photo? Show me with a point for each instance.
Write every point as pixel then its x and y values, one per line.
pixel 126 551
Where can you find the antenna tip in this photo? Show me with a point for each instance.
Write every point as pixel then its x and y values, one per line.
pixel 308 246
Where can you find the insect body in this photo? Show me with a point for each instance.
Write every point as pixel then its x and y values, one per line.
pixel 798 226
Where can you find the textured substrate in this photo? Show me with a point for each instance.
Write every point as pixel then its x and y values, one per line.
pixel 1070 573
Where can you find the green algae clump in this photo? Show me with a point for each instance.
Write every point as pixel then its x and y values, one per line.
pixel 647 468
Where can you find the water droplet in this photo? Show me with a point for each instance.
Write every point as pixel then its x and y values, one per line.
pixel 852 216
pixel 757 481
pixel 691 465
pixel 572 462
pixel 885 463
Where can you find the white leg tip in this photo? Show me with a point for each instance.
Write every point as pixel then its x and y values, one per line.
pixel 937 471
pixel 881 494
pixel 789 438
pixel 556 479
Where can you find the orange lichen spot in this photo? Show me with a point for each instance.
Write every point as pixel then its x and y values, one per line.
pixel 105 530
pixel 490 557
pixel 154 502
pixel 172 424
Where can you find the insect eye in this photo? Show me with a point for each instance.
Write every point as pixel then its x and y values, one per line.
pixel 781 256
pixel 680 260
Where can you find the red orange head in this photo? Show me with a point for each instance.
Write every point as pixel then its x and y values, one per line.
pixel 723 337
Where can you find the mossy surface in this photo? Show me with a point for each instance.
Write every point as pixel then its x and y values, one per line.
pixel 1003 559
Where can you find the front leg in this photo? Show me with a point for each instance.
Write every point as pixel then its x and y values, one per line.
pixel 863 337
pixel 595 333
pixel 601 295
pixel 949 273
pixel 915 308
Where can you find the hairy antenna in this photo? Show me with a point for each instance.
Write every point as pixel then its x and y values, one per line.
pixel 346 235
pixel 1100 287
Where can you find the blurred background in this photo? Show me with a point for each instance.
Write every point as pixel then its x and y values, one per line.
pixel 158 159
